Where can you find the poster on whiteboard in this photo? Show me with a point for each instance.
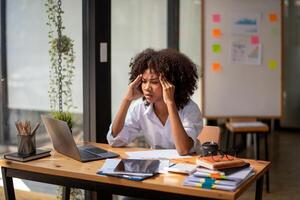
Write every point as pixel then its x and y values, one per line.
pixel 245 24
pixel 242 52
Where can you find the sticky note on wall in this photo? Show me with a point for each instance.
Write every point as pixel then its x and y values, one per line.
pixel 216 67
pixel 216 18
pixel 216 48
pixel 274 31
pixel 216 33
pixel 254 39
pixel 272 64
pixel 273 17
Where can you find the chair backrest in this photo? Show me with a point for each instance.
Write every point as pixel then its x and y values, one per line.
pixel 210 133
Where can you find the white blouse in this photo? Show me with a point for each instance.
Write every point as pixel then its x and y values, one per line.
pixel 142 120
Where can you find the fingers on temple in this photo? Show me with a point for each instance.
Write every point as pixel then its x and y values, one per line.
pixel 165 81
pixel 162 80
pixel 137 79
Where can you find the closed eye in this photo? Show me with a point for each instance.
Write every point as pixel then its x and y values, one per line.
pixel 154 82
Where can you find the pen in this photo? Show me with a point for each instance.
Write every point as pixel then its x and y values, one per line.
pixel 172 164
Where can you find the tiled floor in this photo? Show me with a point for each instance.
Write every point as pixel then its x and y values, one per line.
pixel 23 195
pixel 284 174
pixel 285 168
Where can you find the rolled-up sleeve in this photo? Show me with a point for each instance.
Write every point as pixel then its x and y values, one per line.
pixel 130 131
pixel 192 123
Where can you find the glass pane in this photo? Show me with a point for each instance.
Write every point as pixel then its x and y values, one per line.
pixel 136 25
pixel 291 69
pixel 28 64
pixel 189 41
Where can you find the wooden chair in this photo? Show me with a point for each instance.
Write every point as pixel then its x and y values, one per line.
pixel 210 133
pixel 248 126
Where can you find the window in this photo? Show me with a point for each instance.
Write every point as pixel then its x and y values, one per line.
pixel 27 68
pixel 189 37
pixel 136 25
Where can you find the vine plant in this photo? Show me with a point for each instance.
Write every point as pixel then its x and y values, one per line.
pixel 61 73
pixel 61 70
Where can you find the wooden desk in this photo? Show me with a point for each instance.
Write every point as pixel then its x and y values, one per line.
pixel 60 170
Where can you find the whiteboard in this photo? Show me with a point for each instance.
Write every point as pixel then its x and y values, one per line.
pixel 242 58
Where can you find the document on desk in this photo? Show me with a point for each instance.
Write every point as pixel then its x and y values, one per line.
pixel 156 154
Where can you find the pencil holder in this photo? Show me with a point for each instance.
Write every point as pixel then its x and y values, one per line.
pixel 26 144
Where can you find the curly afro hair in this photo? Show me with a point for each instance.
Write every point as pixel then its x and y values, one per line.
pixel 177 68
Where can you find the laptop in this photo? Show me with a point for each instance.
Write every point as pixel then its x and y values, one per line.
pixel 63 142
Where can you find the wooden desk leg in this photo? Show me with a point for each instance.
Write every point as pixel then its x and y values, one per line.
pixel 267 158
pixel 104 195
pixel 259 188
pixel 66 193
pixel 257 146
pixel 8 185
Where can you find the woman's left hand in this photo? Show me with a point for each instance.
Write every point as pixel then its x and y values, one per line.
pixel 168 89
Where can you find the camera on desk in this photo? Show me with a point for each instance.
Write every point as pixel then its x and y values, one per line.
pixel 209 148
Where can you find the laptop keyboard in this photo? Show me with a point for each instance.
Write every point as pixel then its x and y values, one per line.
pixel 88 153
pixel 85 155
pixel 93 150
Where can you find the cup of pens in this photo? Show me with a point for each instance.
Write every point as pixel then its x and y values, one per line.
pixel 26 138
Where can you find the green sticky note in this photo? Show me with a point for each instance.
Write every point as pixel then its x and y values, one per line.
pixel 216 48
pixel 274 31
pixel 272 64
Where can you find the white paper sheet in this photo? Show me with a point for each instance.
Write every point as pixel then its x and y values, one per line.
pixel 156 154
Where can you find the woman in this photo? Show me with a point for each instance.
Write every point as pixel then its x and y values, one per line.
pixel 165 114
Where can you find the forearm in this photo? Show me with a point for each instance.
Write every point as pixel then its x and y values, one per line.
pixel 119 120
pixel 182 141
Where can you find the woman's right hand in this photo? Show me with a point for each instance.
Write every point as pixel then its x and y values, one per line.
pixel 133 89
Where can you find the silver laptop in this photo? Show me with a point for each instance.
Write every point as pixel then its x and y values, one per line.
pixel 63 142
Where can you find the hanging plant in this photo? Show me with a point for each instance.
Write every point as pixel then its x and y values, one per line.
pixel 61 73
pixel 62 57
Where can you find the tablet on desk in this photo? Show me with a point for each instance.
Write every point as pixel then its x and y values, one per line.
pixel 138 166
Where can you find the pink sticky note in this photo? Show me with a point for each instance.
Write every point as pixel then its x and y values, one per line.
pixel 216 18
pixel 254 39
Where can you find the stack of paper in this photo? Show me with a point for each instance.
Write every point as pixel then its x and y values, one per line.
pixel 218 180
pixel 182 168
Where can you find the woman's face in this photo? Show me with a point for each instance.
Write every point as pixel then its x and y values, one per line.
pixel 151 87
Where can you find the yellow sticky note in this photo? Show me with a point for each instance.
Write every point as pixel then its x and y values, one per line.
pixel 216 33
pixel 216 48
pixel 273 17
pixel 216 67
pixel 274 31
pixel 272 64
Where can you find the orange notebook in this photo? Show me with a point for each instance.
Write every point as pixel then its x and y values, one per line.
pixel 219 162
